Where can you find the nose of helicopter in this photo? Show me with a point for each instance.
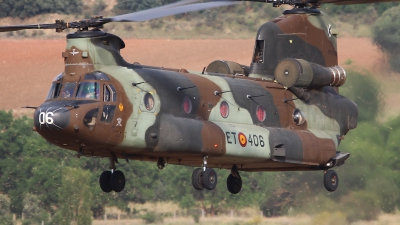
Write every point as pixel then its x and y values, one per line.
pixel 51 118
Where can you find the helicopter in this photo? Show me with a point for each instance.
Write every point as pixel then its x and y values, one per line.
pixel 283 112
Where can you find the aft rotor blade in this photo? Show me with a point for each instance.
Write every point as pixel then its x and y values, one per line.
pixel 167 11
pixel 349 2
pixel 156 9
pixel 25 27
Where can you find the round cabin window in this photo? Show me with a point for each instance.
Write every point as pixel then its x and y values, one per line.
pixel 149 101
pixel 298 117
pixel 261 114
pixel 187 105
pixel 224 109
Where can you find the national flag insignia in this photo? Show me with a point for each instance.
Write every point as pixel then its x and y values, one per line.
pixel 242 139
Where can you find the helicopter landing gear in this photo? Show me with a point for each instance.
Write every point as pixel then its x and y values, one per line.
pixel 105 181
pixel 197 179
pixel 204 177
pixel 234 181
pixel 161 163
pixel 113 180
pixel 331 180
pixel 210 179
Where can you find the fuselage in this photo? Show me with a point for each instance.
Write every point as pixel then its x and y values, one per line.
pixel 103 106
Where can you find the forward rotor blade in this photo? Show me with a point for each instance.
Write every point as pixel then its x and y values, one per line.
pixel 149 14
pixel 25 27
pixel 164 11
pixel 349 2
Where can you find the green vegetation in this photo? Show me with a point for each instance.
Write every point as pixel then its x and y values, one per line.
pixel 386 33
pixel 152 217
pixel 365 92
pixel 358 9
pixel 126 6
pixel 28 8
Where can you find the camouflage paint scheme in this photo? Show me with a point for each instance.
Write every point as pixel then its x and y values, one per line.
pixel 274 144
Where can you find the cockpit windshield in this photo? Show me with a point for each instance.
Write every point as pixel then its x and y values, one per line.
pixel 96 75
pixel 55 87
pixel 89 90
pixel 69 89
pixel 61 89
pixel 54 90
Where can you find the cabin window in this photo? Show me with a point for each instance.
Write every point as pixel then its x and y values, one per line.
pixel 69 89
pixel 224 109
pixel 90 118
pixel 148 101
pixel 298 117
pixel 187 105
pixel 261 113
pixel 88 90
pixel 96 75
pixel 258 56
pixel 108 113
pixel 54 90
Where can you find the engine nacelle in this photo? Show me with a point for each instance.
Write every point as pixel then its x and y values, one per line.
pixel 300 73
pixel 227 67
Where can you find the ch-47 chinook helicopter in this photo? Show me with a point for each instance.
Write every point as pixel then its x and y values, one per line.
pixel 281 113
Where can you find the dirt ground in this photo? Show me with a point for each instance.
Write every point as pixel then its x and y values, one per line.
pixel 27 67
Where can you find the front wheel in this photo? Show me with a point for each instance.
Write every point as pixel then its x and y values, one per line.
pixel 105 181
pixel 331 180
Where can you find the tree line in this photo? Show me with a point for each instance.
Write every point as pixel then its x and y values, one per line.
pixel 41 182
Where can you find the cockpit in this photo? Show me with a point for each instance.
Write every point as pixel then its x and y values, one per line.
pixel 88 88
pixel 94 86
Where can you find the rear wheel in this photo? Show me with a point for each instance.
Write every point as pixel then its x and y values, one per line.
pixel 105 181
pixel 210 179
pixel 118 181
pixel 197 179
pixel 331 180
pixel 234 184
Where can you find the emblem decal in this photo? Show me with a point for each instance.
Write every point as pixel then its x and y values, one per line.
pixel 73 52
pixel 242 139
pixel 119 122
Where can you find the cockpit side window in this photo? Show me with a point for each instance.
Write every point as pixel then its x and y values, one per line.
pixel 113 93
pixel 69 89
pixel 54 90
pixel 108 113
pixel 258 56
pixel 96 75
pixel 90 90
pixel 109 93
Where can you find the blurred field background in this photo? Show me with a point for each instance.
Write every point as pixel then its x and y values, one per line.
pixel 32 171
